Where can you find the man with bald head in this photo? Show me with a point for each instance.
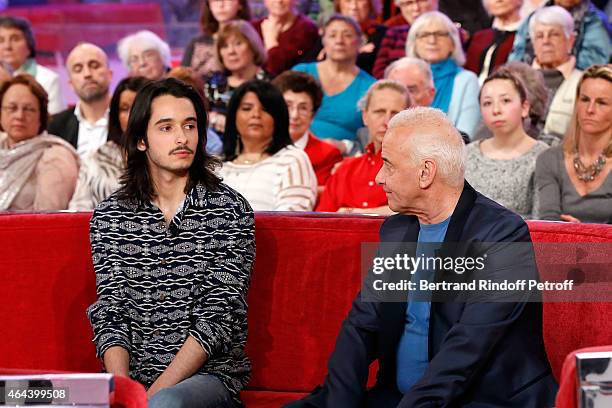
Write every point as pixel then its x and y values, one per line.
pixel 440 349
pixel 85 125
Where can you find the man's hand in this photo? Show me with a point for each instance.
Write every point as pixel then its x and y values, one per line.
pixel 569 218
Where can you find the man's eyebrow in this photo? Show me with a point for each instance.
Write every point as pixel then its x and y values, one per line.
pixel 191 119
pixel 164 120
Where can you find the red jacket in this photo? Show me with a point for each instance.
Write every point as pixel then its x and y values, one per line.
pixel 323 157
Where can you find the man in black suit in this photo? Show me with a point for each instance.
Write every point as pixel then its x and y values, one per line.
pixel 85 125
pixel 468 351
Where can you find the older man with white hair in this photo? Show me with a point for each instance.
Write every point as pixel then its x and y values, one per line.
pixel 431 351
pixel 145 54
pixel 415 74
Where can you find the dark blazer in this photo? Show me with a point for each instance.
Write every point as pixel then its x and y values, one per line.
pixel 480 354
pixel 65 125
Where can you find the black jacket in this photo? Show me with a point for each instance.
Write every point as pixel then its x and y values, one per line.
pixel 65 125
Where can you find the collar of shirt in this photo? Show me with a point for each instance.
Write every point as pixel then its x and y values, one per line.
pixel 103 121
pixel 302 141
pixel 28 67
pixel 370 151
pixel 566 68
pixel 508 27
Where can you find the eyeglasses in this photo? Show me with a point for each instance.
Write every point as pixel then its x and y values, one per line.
pixel 412 3
pixel 149 56
pixel 302 110
pixel 13 109
pixel 435 34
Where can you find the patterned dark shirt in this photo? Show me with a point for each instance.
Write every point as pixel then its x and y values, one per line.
pixel 156 285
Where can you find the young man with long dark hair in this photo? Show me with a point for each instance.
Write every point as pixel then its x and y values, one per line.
pixel 173 250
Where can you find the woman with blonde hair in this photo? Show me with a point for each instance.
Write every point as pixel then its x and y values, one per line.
pixel 573 181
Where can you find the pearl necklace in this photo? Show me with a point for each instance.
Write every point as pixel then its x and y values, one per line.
pixel 589 173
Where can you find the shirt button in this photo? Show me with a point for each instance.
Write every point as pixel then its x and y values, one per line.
pixel 162 296
pixel 156 332
pixel 163 262
pixel 364 204
pixel 371 183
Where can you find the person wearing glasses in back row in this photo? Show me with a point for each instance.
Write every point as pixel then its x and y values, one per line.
pixel 145 54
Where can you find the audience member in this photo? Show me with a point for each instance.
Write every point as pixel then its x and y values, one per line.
pixel 342 81
pixel 101 168
pixel 38 171
pixel 352 188
pixel 260 161
pixel 552 31
pixel 288 37
pixel 17 53
pixel 393 45
pixel 85 126
pixel 435 39
pixel 415 74
pixel 200 53
pixel 173 251
pixel 529 6
pixel 574 181
pixel 145 54
pixel 366 13
pixel 502 167
pixel 592 35
pixel 303 96
pixel 490 48
pixel 241 55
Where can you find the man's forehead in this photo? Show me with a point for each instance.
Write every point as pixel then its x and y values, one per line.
pixel 86 53
pixel 170 107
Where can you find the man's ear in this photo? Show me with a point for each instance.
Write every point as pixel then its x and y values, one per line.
pixel 141 145
pixel 427 173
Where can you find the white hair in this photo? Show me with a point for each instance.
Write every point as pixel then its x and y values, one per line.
pixel 150 40
pixel 422 22
pixel 552 15
pixel 437 139
pixel 380 85
pixel 405 62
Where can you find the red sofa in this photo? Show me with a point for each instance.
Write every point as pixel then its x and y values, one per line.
pixel 306 274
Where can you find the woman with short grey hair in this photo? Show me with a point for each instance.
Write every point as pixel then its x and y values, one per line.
pixel 145 54
pixel 435 39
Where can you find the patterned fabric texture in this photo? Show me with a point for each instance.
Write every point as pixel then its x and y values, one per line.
pixel 158 284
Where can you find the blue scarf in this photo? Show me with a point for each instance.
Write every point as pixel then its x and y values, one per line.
pixel 444 73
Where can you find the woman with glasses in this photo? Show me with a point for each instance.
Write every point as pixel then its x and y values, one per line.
pixel 574 180
pixel 144 54
pixel 37 171
pixel 435 39
pixel 260 161
pixel 17 52
pixel 342 81
pixel 200 54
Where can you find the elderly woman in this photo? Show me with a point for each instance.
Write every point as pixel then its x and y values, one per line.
pixel 303 96
pixel 435 39
pixel 37 171
pixel 353 187
pixel 490 48
pixel 343 83
pixel 592 42
pixel 552 31
pixel 366 13
pixel 17 52
pixel 145 54
pixel 574 181
pixel 101 169
pixel 200 53
pixel 288 37
pixel 241 55
pixel 502 167
pixel 260 162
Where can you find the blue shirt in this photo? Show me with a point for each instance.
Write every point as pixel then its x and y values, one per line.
pixel 413 349
pixel 338 117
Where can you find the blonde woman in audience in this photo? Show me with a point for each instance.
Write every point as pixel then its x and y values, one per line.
pixel 101 169
pixel 574 181
pixel 502 167
pixel 260 161
pixel 38 171
pixel 342 81
pixel 145 54
pixel 200 53
pixel 434 38
pixel 17 52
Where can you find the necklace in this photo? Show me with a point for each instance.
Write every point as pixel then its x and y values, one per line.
pixel 244 160
pixel 589 173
